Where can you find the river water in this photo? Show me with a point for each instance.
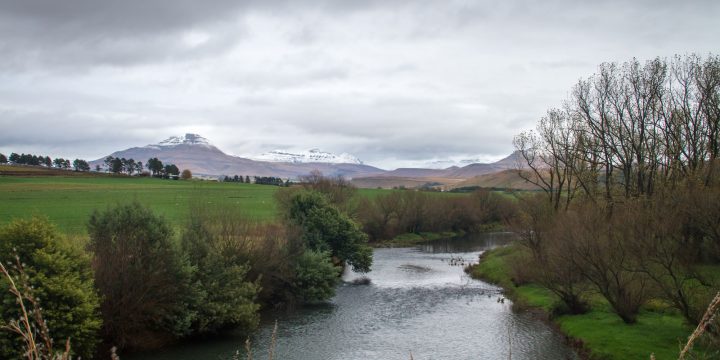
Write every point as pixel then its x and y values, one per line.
pixel 419 301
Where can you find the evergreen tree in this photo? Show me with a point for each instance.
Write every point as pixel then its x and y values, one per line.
pixel 171 170
pixel 326 229
pixel 108 163
pixel 155 166
pixel 61 280
pixel 81 165
pixel 116 165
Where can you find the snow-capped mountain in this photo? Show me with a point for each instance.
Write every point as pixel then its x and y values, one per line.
pixel 194 152
pixel 310 156
pixel 187 139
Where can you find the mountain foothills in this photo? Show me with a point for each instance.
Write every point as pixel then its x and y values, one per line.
pixel 196 153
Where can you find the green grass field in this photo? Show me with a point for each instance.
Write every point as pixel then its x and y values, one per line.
pixel 657 331
pixel 69 201
pixel 68 198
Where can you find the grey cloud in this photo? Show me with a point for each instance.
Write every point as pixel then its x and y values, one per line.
pixel 389 81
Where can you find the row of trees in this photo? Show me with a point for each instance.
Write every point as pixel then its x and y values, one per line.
pixel 39 160
pixel 155 166
pixel 236 178
pixel 627 131
pixel 262 180
pixel 388 215
pixel 385 216
pixel 117 165
pixel 628 169
pixel 271 180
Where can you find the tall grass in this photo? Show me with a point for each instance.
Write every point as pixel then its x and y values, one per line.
pixel 707 320
pixel 31 327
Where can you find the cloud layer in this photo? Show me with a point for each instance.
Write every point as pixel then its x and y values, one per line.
pixel 395 83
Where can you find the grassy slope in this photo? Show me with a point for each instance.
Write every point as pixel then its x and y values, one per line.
pixel 602 332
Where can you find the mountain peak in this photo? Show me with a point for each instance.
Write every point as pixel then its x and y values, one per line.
pixel 188 139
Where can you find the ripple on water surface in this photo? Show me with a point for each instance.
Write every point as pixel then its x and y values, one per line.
pixel 419 300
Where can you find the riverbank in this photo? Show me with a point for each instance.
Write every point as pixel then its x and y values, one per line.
pixel 598 334
pixel 411 239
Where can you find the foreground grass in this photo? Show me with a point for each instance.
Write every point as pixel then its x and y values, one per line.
pixel 601 331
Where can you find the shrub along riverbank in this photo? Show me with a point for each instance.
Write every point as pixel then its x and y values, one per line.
pixel 599 333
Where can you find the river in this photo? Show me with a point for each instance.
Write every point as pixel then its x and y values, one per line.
pixel 419 301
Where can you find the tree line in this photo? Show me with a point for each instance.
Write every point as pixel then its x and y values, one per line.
pixel 40 160
pixel 630 197
pixel 155 167
pixel 628 131
pixel 236 178
pixel 388 215
pixel 261 180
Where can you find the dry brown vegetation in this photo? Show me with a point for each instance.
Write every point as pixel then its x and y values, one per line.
pixel 395 213
pixel 629 208
pixel 31 326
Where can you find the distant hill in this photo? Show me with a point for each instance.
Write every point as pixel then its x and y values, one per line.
pixel 418 173
pixel 507 179
pixel 196 153
pixel 389 182
pixel 455 172
pixel 449 178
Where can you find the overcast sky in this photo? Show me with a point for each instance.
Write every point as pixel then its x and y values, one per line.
pixel 396 83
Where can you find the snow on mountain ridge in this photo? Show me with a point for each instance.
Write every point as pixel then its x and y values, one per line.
pixel 187 139
pixel 191 139
pixel 310 156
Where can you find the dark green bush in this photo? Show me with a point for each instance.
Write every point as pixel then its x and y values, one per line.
pixel 61 280
pixel 142 276
pixel 227 298
pixel 325 228
pixel 315 277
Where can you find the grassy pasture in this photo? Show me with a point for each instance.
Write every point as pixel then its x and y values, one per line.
pixel 69 201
